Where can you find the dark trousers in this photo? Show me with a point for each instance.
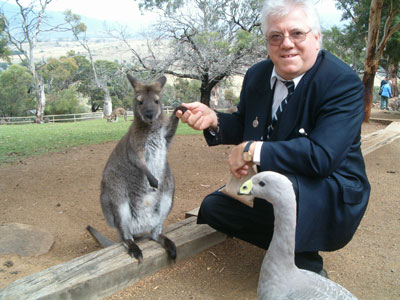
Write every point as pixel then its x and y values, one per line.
pixel 254 225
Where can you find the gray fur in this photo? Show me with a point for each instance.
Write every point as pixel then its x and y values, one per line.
pixel 137 187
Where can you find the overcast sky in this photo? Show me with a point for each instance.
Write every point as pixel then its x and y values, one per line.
pixel 126 11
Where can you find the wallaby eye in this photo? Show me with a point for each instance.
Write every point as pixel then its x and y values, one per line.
pixel 261 183
pixel 156 101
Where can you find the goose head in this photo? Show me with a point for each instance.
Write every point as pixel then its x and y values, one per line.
pixel 268 185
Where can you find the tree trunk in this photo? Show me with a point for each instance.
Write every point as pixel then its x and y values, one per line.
pixel 368 82
pixel 41 103
pixel 205 93
pixel 107 106
pixel 392 74
pixel 373 55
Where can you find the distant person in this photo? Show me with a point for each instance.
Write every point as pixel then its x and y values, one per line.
pixel 386 94
pixel 300 114
pixel 384 81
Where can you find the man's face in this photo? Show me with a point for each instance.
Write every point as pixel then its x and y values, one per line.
pixel 292 59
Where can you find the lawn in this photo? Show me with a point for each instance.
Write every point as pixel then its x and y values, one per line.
pixel 18 141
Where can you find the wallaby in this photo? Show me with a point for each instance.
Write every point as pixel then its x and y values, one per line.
pixel 137 187
pixel 119 111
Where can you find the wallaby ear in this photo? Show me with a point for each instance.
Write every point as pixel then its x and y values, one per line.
pixel 162 80
pixel 134 82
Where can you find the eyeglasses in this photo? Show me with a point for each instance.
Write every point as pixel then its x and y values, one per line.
pixel 296 36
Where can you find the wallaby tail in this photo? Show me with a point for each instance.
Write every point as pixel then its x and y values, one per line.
pixel 126 116
pixel 101 239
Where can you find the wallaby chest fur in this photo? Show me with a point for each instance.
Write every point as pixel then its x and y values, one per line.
pixel 137 186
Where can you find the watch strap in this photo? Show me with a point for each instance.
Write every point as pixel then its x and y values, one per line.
pixel 247 147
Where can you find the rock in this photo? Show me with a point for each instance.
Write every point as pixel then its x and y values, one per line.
pixel 25 240
pixel 8 264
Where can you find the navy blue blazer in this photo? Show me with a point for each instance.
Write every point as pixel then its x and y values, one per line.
pixel 325 156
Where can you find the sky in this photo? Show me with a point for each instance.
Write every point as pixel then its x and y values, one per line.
pixel 126 12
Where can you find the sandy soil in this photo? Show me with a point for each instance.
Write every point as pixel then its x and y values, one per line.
pixel 59 192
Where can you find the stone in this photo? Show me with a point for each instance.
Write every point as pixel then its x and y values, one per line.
pixel 25 240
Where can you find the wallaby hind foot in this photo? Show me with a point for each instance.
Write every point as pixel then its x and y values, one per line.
pixel 167 244
pixel 170 247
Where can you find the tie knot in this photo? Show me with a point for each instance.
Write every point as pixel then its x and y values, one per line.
pixel 290 86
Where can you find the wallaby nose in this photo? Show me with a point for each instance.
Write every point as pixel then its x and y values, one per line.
pixel 148 115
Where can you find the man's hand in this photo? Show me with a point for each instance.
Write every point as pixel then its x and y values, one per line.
pixel 198 116
pixel 238 166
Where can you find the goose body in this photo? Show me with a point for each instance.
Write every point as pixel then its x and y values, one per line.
pixel 280 279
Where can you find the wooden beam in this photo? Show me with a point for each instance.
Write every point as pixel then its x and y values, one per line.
pixel 192 213
pixel 380 138
pixel 102 273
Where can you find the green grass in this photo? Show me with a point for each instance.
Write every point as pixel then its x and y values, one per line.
pixel 19 141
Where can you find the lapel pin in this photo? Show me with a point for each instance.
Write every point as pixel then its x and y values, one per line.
pixel 302 131
pixel 255 122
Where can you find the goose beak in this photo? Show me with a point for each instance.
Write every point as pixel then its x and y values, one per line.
pixel 246 188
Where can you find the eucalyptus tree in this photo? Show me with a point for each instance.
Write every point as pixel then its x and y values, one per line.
pixel 59 73
pixel 22 31
pixel 202 40
pixel 4 50
pixel 78 29
pixel 391 60
pixel 375 21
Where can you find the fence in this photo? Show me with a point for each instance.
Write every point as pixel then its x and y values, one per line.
pixel 68 117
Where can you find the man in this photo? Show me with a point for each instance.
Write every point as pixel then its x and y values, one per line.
pixel 315 141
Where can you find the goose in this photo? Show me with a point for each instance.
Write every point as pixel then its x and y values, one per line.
pixel 280 279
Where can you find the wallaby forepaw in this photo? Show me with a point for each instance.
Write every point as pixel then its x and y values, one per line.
pixel 153 182
pixel 181 108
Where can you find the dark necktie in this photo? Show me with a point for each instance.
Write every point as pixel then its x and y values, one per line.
pixel 290 86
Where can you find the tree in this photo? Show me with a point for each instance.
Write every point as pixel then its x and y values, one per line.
pixel 22 31
pixel 59 73
pixel 15 99
pixel 381 25
pixel 64 101
pixel 347 45
pixel 186 90
pixel 79 31
pixel 4 51
pixel 202 40
pixel 391 60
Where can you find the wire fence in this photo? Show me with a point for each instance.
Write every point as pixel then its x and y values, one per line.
pixel 67 117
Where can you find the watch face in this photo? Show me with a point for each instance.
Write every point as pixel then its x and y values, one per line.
pixel 247 156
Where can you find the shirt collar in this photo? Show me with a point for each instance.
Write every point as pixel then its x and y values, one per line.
pixel 275 76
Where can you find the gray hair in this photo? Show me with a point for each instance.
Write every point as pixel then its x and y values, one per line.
pixel 281 8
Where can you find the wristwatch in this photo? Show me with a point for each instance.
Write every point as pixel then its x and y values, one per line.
pixel 247 155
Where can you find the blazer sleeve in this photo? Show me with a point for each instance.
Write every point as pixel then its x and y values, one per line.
pixel 231 126
pixel 333 125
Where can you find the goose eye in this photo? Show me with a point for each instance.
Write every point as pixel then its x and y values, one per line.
pixel 261 183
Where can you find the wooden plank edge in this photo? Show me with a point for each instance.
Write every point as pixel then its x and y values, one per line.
pixel 380 138
pixel 192 213
pixel 102 273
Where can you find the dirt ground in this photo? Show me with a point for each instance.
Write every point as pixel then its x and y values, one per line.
pixel 60 192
